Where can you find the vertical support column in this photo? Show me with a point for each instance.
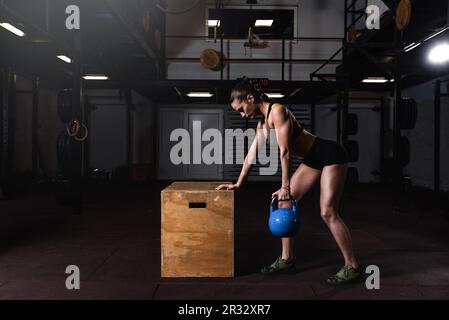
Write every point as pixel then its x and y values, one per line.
pixel 2 107
pixel 78 104
pixel 396 130
pixel 312 106
pixel 221 56
pixel 312 117
pixel 129 129
pixel 228 55
pixel 345 26
pixel 162 53
pixel 344 97
pixel 339 98
pixel 77 169
pixel 11 126
pixel 76 146
pixel 34 130
pixel 2 119
pixel 397 95
pixel 436 154
pixel 156 133
pixel 283 59
pixel 354 8
pixel 86 143
pixel 345 108
pixel 382 134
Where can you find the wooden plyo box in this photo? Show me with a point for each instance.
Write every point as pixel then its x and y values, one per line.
pixel 197 230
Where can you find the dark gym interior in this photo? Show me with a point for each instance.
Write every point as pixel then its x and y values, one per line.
pixel 91 92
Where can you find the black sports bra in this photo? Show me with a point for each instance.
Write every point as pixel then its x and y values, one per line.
pixel 297 127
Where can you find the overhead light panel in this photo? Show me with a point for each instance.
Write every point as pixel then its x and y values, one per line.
pixel 213 23
pixel 436 33
pixel 12 29
pixel 95 77
pixel 412 46
pixel 200 95
pixel 263 23
pixel 275 95
pixel 65 58
pixel 440 53
pixel 375 80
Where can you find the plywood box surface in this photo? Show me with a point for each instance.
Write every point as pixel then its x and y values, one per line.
pixel 197 230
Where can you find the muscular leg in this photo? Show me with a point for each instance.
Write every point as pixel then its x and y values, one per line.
pixel 332 184
pixel 301 182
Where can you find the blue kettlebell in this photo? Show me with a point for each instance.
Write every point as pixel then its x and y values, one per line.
pixel 283 222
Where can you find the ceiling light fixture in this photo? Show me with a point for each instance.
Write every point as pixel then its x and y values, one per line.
pixel 213 23
pixel 65 58
pixel 439 53
pixel 13 29
pixel 95 77
pixel 263 23
pixel 412 46
pixel 374 80
pixel 436 33
pixel 200 95
pixel 275 95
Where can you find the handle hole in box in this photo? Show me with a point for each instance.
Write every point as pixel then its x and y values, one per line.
pixel 197 205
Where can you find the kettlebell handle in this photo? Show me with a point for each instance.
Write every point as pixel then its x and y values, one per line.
pixel 276 199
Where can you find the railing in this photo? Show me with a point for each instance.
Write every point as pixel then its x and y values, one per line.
pixel 283 60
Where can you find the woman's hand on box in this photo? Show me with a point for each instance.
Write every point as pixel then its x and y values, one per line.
pixel 227 187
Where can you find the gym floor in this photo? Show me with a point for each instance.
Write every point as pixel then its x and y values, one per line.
pixel 115 241
pixel 104 104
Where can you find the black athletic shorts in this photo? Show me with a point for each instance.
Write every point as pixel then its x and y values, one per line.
pixel 325 153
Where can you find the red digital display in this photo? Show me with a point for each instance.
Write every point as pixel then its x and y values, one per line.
pixel 260 83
